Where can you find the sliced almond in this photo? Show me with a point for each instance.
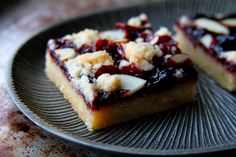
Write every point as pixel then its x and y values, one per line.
pixel 211 26
pixel 229 56
pixel 131 83
pixel 206 40
pixel 87 36
pixel 231 22
pixel 112 35
pixel 65 53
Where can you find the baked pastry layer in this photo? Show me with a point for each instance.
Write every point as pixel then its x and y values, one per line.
pixel 120 110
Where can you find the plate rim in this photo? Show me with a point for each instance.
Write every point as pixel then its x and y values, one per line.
pixel 53 130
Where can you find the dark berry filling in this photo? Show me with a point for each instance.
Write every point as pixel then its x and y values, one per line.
pixel 84 49
pixel 114 49
pixel 57 45
pixel 104 97
pixel 132 70
pixel 106 69
pixel 61 43
pixel 220 42
pixel 133 32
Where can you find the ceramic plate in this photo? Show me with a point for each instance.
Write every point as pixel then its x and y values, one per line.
pixel 207 125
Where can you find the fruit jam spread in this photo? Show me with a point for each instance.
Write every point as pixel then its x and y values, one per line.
pixel 167 70
pixel 217 43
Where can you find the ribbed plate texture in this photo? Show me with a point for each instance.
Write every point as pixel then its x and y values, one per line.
pixel 209 124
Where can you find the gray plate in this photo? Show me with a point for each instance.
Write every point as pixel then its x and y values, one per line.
pixel 204 126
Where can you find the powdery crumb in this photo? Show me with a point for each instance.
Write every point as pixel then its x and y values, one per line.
pixel 108 83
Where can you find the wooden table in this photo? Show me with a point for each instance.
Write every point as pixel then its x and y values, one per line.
pixel 19 19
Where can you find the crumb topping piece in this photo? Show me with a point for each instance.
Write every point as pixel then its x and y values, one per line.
pixel 87 64
pixel 108 83
pixel 141 54
pixel 88 89
pixel 87 36
pixel 96 59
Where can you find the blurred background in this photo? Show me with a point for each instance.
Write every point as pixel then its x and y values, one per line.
pixel 18 20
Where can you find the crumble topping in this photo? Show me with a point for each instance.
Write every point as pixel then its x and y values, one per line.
pixel 88 63
pixel 88 89
pixel 87 36
pixel 96 59
pixel 108 83
pixel 141 54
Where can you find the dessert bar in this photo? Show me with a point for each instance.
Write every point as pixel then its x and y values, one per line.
pixel 210 41
pixel 117 75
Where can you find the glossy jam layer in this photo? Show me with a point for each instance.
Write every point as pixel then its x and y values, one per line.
pixel 220 42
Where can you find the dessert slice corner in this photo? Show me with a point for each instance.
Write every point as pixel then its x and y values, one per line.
pixel 202 51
